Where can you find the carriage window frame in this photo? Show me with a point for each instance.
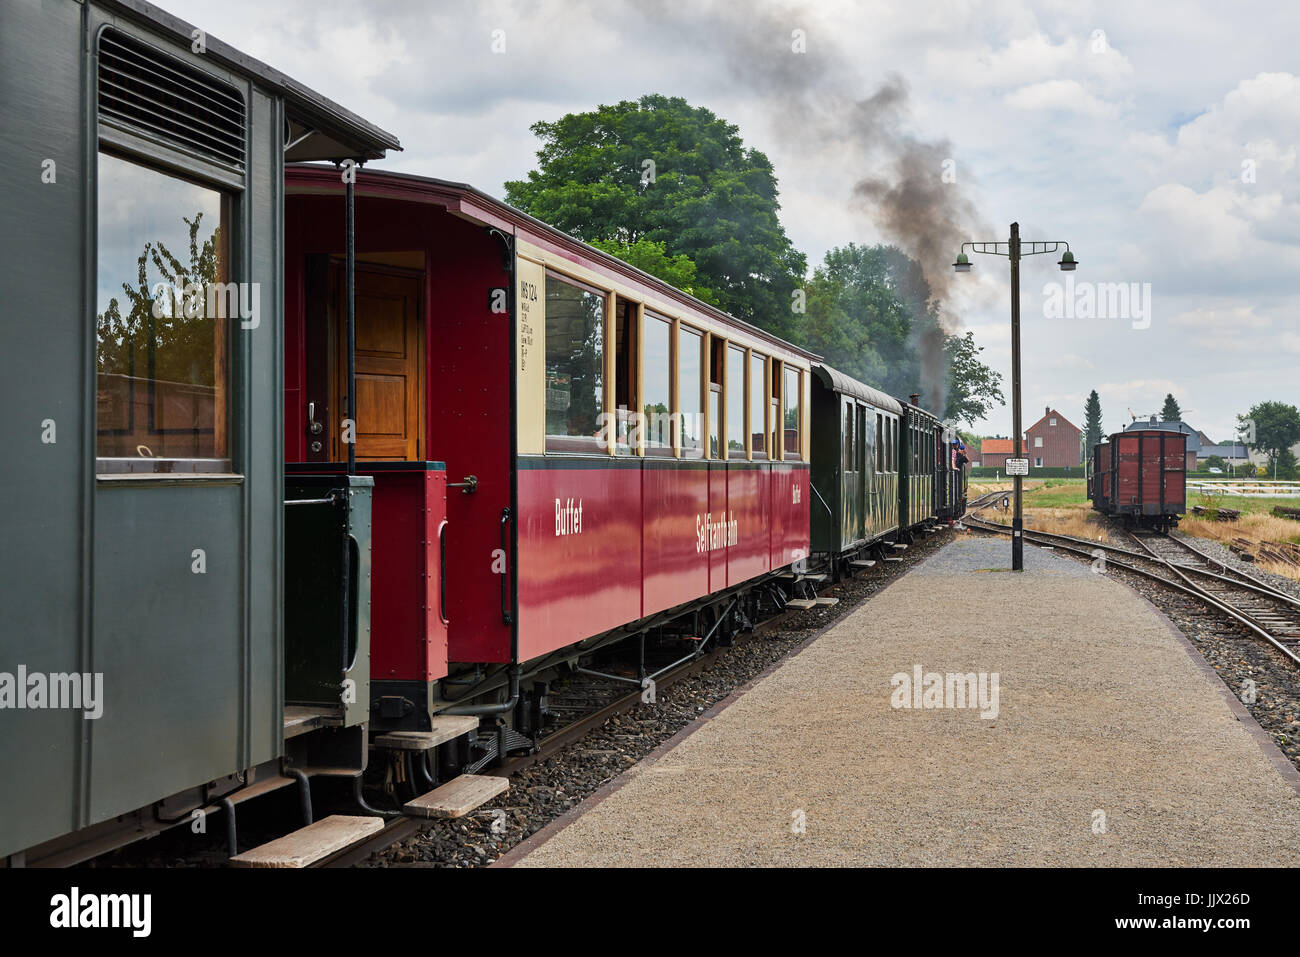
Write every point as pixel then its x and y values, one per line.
pixel 682 347
pixel 792 403
pixel 579 444
pixel 757 404
pixel 167 163
pixel 735 400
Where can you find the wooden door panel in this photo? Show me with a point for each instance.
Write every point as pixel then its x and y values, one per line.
pixel 389 366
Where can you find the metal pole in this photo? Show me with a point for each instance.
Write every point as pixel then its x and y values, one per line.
pixel 352 322
pixel 1017 521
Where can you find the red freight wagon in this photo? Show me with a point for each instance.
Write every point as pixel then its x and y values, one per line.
pixel 1144 477
pixel 564 448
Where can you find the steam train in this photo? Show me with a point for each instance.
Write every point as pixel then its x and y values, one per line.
pixel 384 458
pixel 1140 477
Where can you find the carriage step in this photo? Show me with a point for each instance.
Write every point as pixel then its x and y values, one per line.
pixel 446 727
pixel 890 558
pixel 826 602
pixel 899 545
pixel 815 578
pixel 458 796
pixel 801 603
pixel 863 563
pixel 309 844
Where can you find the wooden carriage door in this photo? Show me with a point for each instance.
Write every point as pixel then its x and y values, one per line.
pixel 389 365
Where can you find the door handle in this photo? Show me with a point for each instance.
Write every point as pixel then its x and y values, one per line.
pixel 314 427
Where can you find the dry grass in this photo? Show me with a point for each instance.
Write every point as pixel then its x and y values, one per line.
pixel 1079 522
pixel 1254 527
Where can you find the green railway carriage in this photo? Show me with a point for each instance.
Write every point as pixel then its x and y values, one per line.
pixel 919 444
pixel 856 459
pixel 143 568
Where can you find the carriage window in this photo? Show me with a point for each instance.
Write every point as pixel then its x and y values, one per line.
pixel 690 391
pixel 625 369
pixel 575 366
pixel 880 444
pixel 717 349
pixel 848 436
pixel 735 403
pixel 757 403
pixel 657 407
pixel 792 407
pixel 163 305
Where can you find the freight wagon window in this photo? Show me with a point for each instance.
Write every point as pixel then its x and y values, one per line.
pixel 625 370
pixel 690 392
pixel 163 303
pixel 575 364
pixel 792 407
pixel 757 402
pixel 735 403
pixel 656 379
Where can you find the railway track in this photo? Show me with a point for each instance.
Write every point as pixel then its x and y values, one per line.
pixel 1247 601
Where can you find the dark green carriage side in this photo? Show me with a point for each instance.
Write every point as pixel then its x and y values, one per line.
pixel 855 463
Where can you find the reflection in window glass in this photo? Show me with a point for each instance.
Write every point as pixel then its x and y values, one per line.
pixel 715 423
pixel 575 365
pixel 655 379
pixel 792 410
pixel 757 400
pixel 162 310
pixel 690 383
pixel 735 403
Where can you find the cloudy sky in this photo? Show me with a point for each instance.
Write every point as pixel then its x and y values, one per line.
pixel 1159 140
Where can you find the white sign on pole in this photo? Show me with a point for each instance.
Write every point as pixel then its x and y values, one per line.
pixel 1017 466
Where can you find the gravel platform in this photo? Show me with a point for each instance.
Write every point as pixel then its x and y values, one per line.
pixel 1111 746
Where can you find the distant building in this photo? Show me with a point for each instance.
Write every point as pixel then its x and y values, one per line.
pixel 1054 442
pixel 995 452
pixel 1233 453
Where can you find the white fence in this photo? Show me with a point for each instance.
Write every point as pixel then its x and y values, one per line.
pixel 1250 489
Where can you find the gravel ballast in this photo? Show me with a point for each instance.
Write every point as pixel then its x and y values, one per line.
pixel 543 792
pixel 1111 746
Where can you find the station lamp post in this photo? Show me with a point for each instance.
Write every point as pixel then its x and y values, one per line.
pixel 1013 250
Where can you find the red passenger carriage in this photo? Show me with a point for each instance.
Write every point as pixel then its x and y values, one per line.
pixel 564 448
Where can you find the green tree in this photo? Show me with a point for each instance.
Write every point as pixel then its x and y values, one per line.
pixel 973 388
pixel 1215 462
pixel 662 170
pixel 1091 422
pixel 1171 412
pixel 871 315
pixel 652 257
pixel 1272 428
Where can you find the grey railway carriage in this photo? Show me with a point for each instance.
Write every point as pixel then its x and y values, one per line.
pixel 144 434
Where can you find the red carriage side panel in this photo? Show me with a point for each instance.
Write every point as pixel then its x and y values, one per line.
pixel 468 425
pixel 579 552
pixel 718 506
pixel 748 505
pixel 408 637
pixel 680 532
pixel 789 511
